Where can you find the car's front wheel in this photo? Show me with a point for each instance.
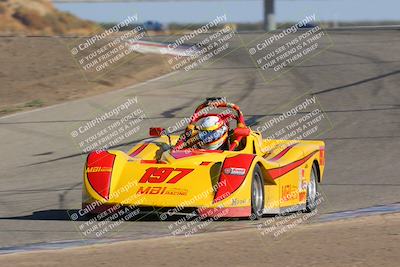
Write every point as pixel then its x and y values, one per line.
pixel 257 194
pixel 312 189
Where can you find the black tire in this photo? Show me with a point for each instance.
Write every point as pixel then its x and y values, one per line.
pixel 257 194
pixel 312 190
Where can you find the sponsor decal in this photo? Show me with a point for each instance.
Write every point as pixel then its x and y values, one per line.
pixel 302 196
pixel 160 190
pixel 99 169
pixel 238 202
pixel 289 193
pixel 160 175
pixel 235 171
pixel 302 180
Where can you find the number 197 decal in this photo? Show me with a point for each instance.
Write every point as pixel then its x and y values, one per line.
pixel 160 175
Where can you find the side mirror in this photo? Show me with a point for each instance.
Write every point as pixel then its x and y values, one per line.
pixel 243 132
pixel 156 131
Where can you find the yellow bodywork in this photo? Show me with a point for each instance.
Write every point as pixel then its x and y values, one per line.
pixel 198 187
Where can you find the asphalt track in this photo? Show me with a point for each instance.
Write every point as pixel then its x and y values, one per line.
pixel 356 79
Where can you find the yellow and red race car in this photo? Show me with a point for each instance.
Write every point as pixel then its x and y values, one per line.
pixel 252 177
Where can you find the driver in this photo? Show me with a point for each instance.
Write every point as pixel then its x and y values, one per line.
pixel 213 134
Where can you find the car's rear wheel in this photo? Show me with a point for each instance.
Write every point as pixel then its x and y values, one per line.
pixel 312 189
pixel 257 194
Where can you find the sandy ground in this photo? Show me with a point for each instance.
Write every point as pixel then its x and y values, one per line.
pixel 40 71
pixel 367 241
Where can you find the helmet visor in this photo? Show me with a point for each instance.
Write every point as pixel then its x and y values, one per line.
pixel 212 136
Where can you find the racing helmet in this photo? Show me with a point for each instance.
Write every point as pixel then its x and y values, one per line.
pixel 213 132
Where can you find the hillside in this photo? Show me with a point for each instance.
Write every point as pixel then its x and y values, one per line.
pixel 40 71
pixel 39 17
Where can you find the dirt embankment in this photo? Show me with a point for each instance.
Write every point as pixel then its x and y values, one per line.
pixel 40 17
pixel 367 241
pixel 40 71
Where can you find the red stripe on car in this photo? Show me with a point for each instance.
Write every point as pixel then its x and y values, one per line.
pixel 278 172
pixel 184 153
pixel 283 152
pixel 138 150
pixel 322 155
pixel 229 183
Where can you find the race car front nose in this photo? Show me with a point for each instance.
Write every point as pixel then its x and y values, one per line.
pixel 99 167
